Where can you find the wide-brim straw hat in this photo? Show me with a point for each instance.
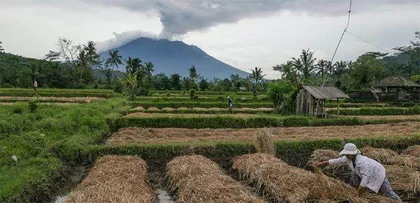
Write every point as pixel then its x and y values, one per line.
pixel 350 149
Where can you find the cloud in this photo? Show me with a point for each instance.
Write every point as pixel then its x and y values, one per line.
pixel 181 16
pixel 123 38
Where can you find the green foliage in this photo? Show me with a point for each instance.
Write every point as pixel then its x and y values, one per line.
pixel 33 106
pixel 380 111
pixel 367 70
pixel 200 122
pixel 191 104
pixel 280 94
pixel 46 142
pixel 296 121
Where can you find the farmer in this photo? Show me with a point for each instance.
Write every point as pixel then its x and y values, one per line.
pixel 367 173
pixel 230 104
pixel 35 85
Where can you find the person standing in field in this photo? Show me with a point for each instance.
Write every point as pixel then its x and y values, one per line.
pixel 35 85
pixel 230 104
pixel 366 172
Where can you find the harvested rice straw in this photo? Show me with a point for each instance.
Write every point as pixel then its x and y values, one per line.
pixel 342 171
pixel 408 161
pixel 403 178
pixel 265 143
pixel 282 182
pixel 198 179
pixel 385 156
pixel 115 179
pixel 389 157
pixel 412 150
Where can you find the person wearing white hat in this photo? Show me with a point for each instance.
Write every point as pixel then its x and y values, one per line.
pixel 367 173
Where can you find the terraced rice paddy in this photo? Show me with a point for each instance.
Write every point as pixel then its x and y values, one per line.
pixel 182 135
pixel 390 118
pixel 49 99
pixel 169 115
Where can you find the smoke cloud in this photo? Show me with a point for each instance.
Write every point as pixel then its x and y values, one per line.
pixel 179 17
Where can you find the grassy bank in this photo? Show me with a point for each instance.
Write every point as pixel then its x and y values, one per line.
pixel 46 143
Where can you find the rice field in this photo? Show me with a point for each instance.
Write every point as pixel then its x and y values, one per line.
pixel 5 99
pixel 169 115
pixel 182 135
pixel 216 157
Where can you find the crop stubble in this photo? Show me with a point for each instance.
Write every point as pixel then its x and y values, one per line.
pixel 183 135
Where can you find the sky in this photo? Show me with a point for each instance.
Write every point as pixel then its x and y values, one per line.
pixel 242 33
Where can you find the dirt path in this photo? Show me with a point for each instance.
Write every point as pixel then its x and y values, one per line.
pixel 182 135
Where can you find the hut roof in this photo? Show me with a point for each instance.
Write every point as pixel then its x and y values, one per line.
pixel 320 92
pixel 396 81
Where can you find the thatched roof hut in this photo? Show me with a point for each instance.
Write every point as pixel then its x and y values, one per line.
pixel 396 82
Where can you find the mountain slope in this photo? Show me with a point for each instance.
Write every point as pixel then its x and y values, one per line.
pixel 172 57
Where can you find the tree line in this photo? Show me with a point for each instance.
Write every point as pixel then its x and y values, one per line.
pixel 78 66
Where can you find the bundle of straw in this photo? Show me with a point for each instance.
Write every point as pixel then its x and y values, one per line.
pixel 412 150
pixel 385 156
pixel 198 179
pixel 341 171
pixel 265 143
pixel 282 182
pixel 408 161
pixel 115 179
pixel 404 179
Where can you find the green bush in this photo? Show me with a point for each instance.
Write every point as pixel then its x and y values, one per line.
pixel 33 106
pixel 296 121
pixel 200 122
pixel 191 104
pixel 379 111
pixel 18 109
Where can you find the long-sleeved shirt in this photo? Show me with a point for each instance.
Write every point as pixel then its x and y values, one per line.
pixel 371 172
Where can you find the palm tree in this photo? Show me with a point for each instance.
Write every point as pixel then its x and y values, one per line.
pixel 114 59
pixel 93 58
pixel 1 47
pixel 286 70
pixel 148 70
pixel 305 64
pixel 256 76
pixel 340 67
pixel 322 69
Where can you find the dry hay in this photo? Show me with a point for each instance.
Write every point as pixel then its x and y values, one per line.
pixel 282 182
pixel 403 178
pixel 198 179
pixel 385 156
pixel 342 172
pixel 390 157
pixel 412 150
pixel 248 135
pixel 265 143
pixel 139 108
pixel 114 179
pixel 168 109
